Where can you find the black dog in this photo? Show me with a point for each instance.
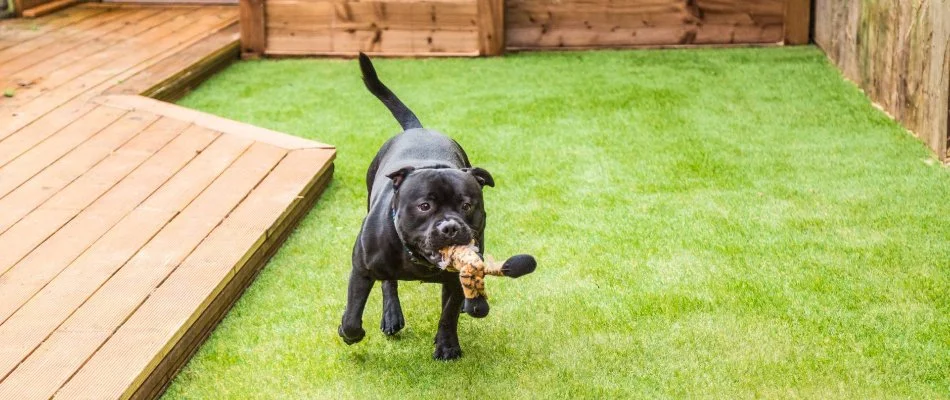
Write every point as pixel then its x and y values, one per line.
pixel 423 195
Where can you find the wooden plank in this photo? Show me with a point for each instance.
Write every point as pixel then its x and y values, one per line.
pixel 299 14
pixel 47 183
pixel 13 24
pixel 379 27
pixel 281 40
pixel 61 355
pixel 49 8
pixel 34 160
pixel 591 23
pixel 29 133
pixel 935 124
pixel 897 53
pixel 253 34
pixel 38 318
pixel 19 31
pixel 79 55
pixel 20 239
pixel 185 69
pixel 32 272
pixel 91 63
pixel 491 27
pixel 92 84
pixel 388 54
pixel 797 22
pixel 25 54
pixel 199 118
pixel 164 317
pixel 23 117
pixel 387 43
pixel 175 2
pixel 383 16
pixel 182 350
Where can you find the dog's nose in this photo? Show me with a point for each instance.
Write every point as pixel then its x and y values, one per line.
pixel 449 228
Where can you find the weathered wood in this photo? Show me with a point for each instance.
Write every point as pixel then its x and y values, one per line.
pixel 48 8
pixel 898 53
pixel 585 23
pixel 797 21
pixel 937 122
pixel 253 33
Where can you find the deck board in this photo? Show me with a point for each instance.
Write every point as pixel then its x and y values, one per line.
pixel 86 226
pixel 29 53
pixel 130 225
pixel 188 290
pixel 122 294
pixel 51 180
pixel 67 58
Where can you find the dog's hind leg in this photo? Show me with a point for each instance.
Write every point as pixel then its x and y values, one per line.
pixel 393 320
pixel 351 327
pixel 447 338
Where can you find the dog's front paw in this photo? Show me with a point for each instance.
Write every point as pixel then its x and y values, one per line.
pixel 392 323
pixel 447 352
pixel 477 307
pixel 351 335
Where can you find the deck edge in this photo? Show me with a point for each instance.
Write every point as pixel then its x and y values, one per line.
pixel 197 333
pixel 210 121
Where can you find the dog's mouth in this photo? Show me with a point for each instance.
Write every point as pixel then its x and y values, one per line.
pixel 432 243
pixel 433 257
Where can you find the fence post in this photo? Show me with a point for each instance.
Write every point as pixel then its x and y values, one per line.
pixel 253 39
pixel 491 27
pixel 797 21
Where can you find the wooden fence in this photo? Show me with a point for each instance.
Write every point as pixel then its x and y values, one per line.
pixel 488 27
pixel 541 24
pixel 899 53
pixel 390 27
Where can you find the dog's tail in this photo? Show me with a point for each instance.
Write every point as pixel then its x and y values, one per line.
pixel 402 113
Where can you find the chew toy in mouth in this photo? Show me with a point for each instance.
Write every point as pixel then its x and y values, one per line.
pixel 472 269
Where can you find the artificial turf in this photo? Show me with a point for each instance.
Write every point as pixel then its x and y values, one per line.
pixel 708 223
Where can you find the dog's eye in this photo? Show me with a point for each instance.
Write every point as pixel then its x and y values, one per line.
pixel 466 207
pixel 424 207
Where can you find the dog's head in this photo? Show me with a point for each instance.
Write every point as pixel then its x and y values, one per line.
pixel 439 207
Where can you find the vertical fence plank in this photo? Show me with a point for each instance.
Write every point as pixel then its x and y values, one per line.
pixel 797 21
pixel 253 37
pixel 491 27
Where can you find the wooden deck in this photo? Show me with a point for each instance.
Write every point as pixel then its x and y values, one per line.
pixel 128 226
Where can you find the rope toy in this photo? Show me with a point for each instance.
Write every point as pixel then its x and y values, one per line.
pixel 472 270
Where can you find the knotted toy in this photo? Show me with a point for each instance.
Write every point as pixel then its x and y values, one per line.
pixel 472 270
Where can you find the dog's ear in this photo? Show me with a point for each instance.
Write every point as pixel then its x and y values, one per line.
pixel 399 176
pixel 482 176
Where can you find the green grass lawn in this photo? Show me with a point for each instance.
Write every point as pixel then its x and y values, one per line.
pixel 708 223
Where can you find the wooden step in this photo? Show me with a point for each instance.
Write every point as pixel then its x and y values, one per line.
pixel 173 77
